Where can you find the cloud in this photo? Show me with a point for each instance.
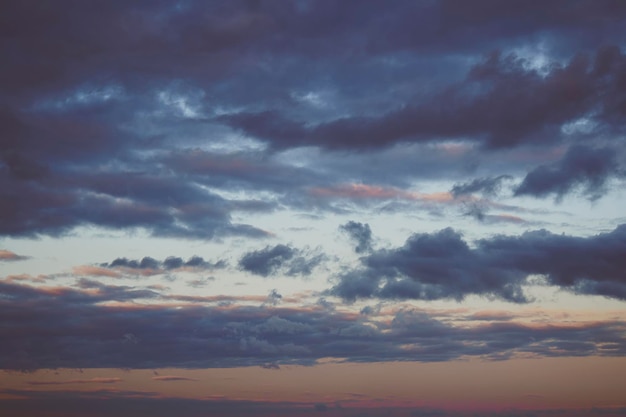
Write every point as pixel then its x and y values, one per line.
pixel 501 103
pixel 479 210
pixel 581 167
pixel 150 266
pixel 485 186
pixel 111 131
pixel 6 255
pixel 97 271
pixel 98 326
pixel 360 233
pixel 162 206
pixel 271 366
pixel 443 265
pixel 103 403
pixel 169 378
pixel 321 407
pixel 271 260
pixel 78 381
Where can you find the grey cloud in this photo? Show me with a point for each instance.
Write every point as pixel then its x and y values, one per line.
pixel 60 203
pixel 581 167
pixel 485 186
pixel 500 104
pixel 443 265
pixel 360 233
pixel 168 264
pixel 479 210
pixel 266 261
pixel 280 258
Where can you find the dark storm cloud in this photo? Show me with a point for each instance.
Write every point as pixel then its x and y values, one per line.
pixel 360 233
pixel 582 166
pixel 443 265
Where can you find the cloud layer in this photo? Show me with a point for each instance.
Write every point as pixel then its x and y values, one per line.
pixel 97 326
pixel 148 116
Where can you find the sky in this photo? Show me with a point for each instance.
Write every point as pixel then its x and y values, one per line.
pixel 293 207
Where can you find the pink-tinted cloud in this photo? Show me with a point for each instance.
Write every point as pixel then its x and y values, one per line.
pixel 360 191
pixel 374 192
pixel 7 255
pixel 25 277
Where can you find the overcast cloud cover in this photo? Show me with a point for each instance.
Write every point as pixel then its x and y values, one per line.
pixel 222 184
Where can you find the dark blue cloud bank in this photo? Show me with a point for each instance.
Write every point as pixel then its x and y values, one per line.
pixel 118 114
